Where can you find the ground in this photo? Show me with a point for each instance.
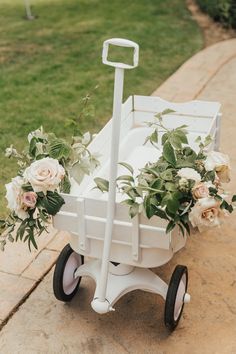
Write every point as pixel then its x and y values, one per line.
pixel 43 325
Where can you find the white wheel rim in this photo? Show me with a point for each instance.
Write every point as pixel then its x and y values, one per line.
pixel 69 281
pixel 179 300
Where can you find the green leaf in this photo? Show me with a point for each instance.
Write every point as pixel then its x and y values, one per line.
pixel 156 184
pixel 227 206
pixel 102 184
pixel 65 185
pixel 125 178
pixel 169 154
pixel 173 205
pixel 150 209
pixel 170 186
pixel 150 170
pixel 175 141
pixel 59 149
pixel 32 146
pixel 164 138
pixel 234 198
pixel 182 136
pixel 167 111
pixel 32 240
pixel 186 226
pixel 133 210
pixel 154 137
pixel 210 176
pixel 21 230
pixel 128 202
pixel 167 175
pixel 184 163
pixel 27 187
pixel 52 202
pixel 161 213
pixel 128 166
pixel 181 229
pixel 198 139
pixel 170 226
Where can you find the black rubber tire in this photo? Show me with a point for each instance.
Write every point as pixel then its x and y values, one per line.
pixel 169 316
pixel 59 273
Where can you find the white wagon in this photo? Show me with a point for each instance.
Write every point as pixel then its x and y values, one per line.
pixel 123 249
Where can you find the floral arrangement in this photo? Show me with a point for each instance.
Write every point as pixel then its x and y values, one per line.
pixel 45 167
pixel 184 187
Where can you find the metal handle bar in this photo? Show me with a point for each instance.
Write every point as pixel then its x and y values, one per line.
pixel 120 42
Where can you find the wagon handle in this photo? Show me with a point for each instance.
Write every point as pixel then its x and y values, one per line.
pixel 100 304
pixel 120 42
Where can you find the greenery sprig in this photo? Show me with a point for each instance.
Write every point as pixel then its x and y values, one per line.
pixel 177 185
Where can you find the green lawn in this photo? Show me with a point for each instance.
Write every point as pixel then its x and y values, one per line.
pixel 48 64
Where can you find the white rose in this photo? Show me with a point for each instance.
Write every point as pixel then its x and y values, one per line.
pixel 206 213
pixel 189 173
pixel 220 163
pixel 44 175
pixel 14 195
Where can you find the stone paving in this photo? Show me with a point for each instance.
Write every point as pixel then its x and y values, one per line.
pixel 43 325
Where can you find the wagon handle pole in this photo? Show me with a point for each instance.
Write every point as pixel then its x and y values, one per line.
pixel 114 155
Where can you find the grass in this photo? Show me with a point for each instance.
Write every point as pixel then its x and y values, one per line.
pixel 49 64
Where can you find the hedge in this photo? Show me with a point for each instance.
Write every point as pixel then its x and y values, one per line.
pixel 220 10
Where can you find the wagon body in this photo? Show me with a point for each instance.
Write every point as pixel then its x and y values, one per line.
pixel 139 241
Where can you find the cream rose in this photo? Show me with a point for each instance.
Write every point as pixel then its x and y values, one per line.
pixel 206 213
pixel 220 163
pixel 14 195
pixel 189 173
pixel 200 190
pixel 44 175
pixel 29 200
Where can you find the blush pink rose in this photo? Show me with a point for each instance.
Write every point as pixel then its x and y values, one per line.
pixel 206 213
pixel 200 191
pixel 44 175
pixel 29 199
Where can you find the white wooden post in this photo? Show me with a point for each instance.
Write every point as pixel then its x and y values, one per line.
pixel 28 10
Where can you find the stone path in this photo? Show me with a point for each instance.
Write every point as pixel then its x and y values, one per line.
pixel 43 325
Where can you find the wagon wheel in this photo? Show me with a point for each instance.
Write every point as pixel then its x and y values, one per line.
pixel 175 297
pixel 65 285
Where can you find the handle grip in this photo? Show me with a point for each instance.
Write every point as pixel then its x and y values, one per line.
pixel 121 43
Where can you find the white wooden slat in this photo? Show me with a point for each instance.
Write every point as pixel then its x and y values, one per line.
pixel 95 227
pixel 135 238
pixel 154 239
pixel 65 221
pixel 70 203
pixel 137 235
pixel 195 108
pixel 81 227
pixel 201 125
pixel 95 207
pixel 155 221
